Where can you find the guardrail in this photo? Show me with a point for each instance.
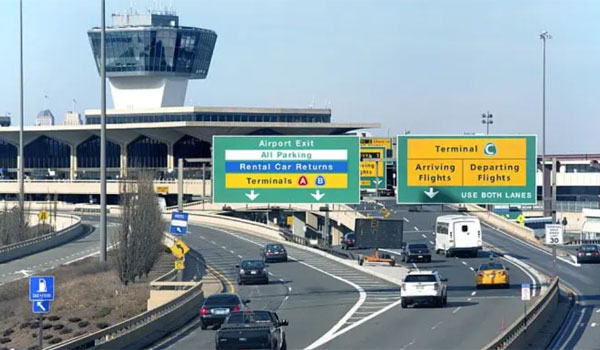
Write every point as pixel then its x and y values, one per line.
pixel 185 205
pixel 144 329
pixel 520 332
pixel 38 244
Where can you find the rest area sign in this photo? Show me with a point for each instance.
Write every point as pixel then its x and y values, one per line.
pixel 286 169
pixel 466 169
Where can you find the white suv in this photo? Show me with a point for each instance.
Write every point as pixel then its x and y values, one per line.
pixel 423 287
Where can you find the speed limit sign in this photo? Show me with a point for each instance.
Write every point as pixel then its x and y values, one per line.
pixel 554 234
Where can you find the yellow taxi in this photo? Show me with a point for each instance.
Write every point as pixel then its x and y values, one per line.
pixel 492 274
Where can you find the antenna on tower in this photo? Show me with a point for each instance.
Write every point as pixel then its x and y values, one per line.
pixel 45 102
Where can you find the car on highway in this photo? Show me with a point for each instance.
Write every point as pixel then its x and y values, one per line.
pixel 492 274
pixel 217 307
pixel 588 253
pixel 349 240
pixel 252 271
pixel 457 234
pixel 258 329
pixel 415 252
pixel 387 192
pixel 423 287
pixel 274 252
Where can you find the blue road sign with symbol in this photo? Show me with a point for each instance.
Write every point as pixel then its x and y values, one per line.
pixel 179 222
pixel 41 288
pixel 40 306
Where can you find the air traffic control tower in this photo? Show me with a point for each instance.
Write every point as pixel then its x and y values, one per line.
pixel 150 58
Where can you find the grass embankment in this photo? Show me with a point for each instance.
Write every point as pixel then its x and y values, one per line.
pixel 88 297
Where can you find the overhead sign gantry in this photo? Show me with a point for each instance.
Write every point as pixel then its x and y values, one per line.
pixel 373 151
pixel 466 169
pixel 286 169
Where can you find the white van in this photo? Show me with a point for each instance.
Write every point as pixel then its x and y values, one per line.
pixel 457 233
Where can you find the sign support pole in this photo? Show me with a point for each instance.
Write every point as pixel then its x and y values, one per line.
pixel 327 244
pixel 41 340
pixel 553 209
pixel 376 178
pixel 180 184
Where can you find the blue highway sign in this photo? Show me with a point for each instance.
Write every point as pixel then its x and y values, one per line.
pixel 41 307
pixel 179 222
pixel 41 288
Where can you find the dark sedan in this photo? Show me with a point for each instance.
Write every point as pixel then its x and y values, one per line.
pixel 274 252
pixel 348 241
pixel 588 253
pixel 252 271
pixel 416 252
pixel 217 307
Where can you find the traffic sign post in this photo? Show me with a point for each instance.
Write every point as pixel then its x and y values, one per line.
pixel 466 169
pixel 525 297
pixel 41 293
pixel 179 222
pixel 554 234
pixel 286 169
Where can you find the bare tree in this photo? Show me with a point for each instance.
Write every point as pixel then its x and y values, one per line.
pixel 14 225
pixel 138 240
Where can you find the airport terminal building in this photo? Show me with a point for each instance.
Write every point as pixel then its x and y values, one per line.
pixel 149 60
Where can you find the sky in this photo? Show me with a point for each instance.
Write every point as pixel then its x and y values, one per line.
pixel 428 67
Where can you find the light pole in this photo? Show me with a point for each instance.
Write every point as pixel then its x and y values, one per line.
pixel 486 118
pixel 21 173
pixel 544 36
pixel 103 136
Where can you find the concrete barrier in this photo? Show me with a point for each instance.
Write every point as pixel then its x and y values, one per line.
pixel 501 223
pixel 524 330
pixel 45 242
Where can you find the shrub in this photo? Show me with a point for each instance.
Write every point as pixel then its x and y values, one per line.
pixel 47 326
pixel 48 336
pixel 83 324
pixel 78 333
pixel 74 319
pixel 66 331
pixel 8 332
pixel 58 326
pixel 55 341
pixel 5 340
pixel 102 325
pixel 53 318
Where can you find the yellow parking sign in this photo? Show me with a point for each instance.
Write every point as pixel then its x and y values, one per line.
pixel 179 264
pixel 43 215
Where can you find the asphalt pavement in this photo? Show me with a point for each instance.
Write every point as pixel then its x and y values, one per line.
pixel 472 317
pixel 86 245
pixel 317 295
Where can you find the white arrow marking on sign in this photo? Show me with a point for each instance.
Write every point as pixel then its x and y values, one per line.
pixel 377 182
pixel 40 305
pixel 318 195
pixel 178 229
pixel 252 196
pixel 431 193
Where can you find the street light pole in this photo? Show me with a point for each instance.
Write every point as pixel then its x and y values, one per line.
pixel 103 135
pixel 486 118
pixel 21 161
pixel 544 36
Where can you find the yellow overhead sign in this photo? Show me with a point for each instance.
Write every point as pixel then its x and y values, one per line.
pixel 179 249
pixel 466 162
pixel 467 148
pixel 370 168
pixel 289 220
pixel 162 189
pixel 259 180
pixel 376 142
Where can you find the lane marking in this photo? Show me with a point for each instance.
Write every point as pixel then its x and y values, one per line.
pixel 405 219
pixel 431 242
pixel 593 324
pixel 213 242
pixel 232 252
pixel 473 294
pixel 597 310
pixel 415 266
pixel 472 269
pixel 436 325
pixel 416 228
pixel 224 247
pixel 423 235
pixel 241 257
pixel 464 262
pixel 457 309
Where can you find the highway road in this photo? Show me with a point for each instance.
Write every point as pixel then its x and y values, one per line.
pixel 452 327
pixel 84 246
pixel 319 305
pixel 318 296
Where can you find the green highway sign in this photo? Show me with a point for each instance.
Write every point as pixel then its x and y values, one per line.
pixel 286 169
pixel 466 169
